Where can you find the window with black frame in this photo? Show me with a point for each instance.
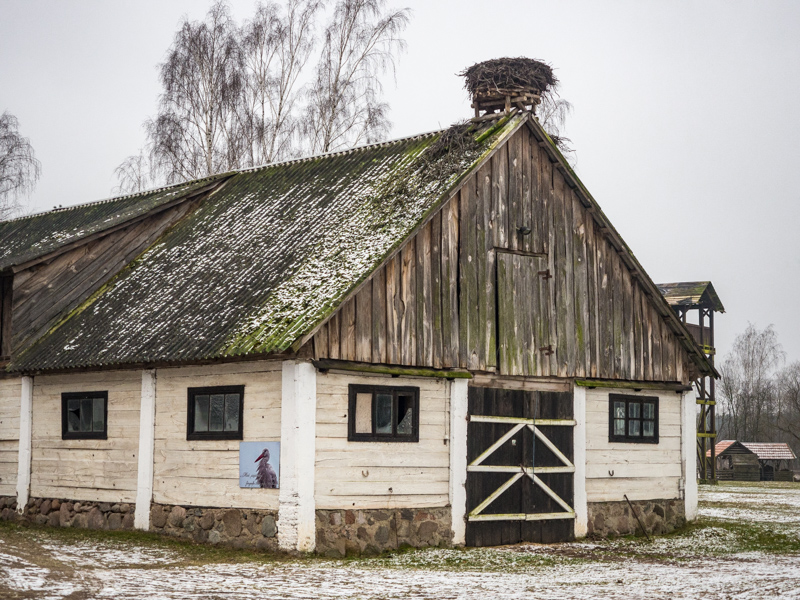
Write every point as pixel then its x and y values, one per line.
pixel 215 413
pixel 633 419
pixel 84 415
pixel 383 414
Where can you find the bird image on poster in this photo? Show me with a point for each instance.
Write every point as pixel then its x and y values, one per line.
pixel 259 464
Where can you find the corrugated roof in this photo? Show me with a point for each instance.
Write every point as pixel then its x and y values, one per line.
pixel 30 237
pixel 262 261
pixel 691 293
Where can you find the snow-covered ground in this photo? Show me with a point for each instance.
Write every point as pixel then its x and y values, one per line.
pixel 747 546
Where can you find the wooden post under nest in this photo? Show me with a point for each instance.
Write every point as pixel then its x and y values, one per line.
pixel 491 104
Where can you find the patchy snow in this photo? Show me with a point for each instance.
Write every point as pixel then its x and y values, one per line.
pixel 708 562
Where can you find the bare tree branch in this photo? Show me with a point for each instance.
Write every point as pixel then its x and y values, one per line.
pixel 360 43
pixel 19 169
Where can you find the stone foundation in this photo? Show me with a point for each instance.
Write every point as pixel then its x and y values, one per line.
pixel 61 513
pixel 615 518
pixel 341 532
pixel 235 527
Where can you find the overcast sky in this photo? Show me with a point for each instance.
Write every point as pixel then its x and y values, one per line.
pixel 686 120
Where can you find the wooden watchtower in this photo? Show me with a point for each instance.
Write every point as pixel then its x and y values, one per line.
pixel 695 302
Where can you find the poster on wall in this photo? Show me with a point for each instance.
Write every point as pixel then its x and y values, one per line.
pixel 259 464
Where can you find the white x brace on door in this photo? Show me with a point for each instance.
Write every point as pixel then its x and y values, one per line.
pixel 519 471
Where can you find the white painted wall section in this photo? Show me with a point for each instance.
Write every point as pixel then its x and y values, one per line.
pixel 688 445
pixel 25 432
pixel 147 427
pixel 297 510
pixel 579 458
pixel 458 458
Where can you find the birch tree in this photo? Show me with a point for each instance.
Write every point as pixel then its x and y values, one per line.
pixel 19 168
pixel 748 389
pixel 193 134
pixel 344 102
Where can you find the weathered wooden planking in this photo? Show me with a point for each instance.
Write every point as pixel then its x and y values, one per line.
pixel 49 290
pixel 450 283
pixel 363 318
pixel 435 304
pixel 615 489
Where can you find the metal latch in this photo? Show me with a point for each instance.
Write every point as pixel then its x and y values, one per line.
pixel 545 274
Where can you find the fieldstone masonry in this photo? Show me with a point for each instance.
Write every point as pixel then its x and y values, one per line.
pixel 236 527
pixel 342 532
pixel 61 513
pixel 615 518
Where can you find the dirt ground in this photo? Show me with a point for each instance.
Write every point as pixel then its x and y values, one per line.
pixel 746 544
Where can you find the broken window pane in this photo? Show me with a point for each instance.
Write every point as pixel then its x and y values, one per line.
pixel 73 415
pixel 383 413
pixel 215 412
pixel 405 415
pixel 201 413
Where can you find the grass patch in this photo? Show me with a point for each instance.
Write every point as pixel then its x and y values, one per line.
pixel 186 552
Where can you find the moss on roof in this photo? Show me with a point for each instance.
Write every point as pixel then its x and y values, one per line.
pixel 27 238
pixel 264 260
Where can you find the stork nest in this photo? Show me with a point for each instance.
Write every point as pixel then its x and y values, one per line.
pixel 508 76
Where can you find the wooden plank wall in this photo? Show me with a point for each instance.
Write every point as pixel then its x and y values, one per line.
pixel 434 302
pixel 381 474
pixel 642 471
pixel 47 290
pixel 10 391
pixel 206 472
pixel 94 470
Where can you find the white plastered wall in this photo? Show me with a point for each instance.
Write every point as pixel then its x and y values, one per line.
pixel 689 411
pixel 640 471
pixel 10 393
pixel 381 474
pixel 92 470
pixel 206 472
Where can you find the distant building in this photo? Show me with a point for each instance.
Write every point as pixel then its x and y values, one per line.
pixel 754 461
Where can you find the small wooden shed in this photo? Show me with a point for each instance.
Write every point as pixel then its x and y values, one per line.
pixel 736 462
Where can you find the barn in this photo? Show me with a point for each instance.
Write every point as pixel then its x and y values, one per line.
pixel 438 340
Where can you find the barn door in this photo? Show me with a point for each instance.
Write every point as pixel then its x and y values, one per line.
pixel 520 470
pixel 523 314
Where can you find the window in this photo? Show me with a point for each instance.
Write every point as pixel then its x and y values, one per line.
pixel 633 419
pixel 84 415
pixel 215 413
pixel 383 414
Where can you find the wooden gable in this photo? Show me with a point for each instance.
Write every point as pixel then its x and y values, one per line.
pixel 512 275
pixel 48 289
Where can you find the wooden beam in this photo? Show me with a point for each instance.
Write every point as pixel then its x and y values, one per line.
pixel 345 365
pixel 632 385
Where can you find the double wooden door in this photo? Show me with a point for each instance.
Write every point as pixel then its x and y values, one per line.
pixel 520 470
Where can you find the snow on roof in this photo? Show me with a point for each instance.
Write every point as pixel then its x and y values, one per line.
pixel 264 259
pixel 29 237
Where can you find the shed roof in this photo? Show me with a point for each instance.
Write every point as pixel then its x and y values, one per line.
pixel 771 450
pixel 691 293
pixel 263 260
pixel 30 237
